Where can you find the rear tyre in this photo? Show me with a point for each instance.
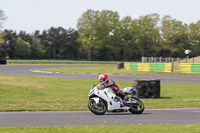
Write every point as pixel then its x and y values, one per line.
pixel 98 109
pixel 137 108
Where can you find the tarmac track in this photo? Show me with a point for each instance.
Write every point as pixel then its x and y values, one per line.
pixel 69 118
pixel 25 70
pixel 65 118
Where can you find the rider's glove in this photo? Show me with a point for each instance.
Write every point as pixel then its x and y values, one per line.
pixel 101 83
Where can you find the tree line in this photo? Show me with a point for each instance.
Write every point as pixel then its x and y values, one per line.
pixel 103 35
pixel 54 43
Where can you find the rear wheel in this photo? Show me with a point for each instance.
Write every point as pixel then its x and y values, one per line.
pixel 138 107
pixel 97 108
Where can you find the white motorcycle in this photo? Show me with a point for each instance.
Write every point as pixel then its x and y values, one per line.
pixel 102 100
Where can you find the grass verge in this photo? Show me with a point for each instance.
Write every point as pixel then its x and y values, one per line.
pixel 185 128
pixel 58 62
pixel 23 93
pixel 108 70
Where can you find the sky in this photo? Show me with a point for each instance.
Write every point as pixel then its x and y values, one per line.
pixel 31 15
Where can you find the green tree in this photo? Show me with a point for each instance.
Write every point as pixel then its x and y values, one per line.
pixel 2 18
pixel 194 36
pixel 3 47
pixel 123 40
pixel 174 37
pixel 70 49
pixel 106 26
pixel 53 40
pixel 25 36
pixel 95 28
pixel 87 32
pixel 146 34
pixel 8 47
pixel 37 49
pixel 23 49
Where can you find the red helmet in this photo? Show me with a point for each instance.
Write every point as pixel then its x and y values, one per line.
pixel 103 78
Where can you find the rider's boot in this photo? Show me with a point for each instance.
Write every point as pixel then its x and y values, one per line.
pixel 125 100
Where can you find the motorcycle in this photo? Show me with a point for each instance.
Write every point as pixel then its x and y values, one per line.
pixel 104 100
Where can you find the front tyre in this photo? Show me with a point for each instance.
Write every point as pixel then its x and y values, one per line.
pixel 138 107
pixel 97 108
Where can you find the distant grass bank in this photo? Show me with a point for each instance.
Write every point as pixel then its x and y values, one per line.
pixel 144 128
pixel 108 70
pixel 58 62
pixel 24 93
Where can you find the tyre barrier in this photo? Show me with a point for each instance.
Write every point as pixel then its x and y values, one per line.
pixel 120 65
pixel 147 88
pixel 3 62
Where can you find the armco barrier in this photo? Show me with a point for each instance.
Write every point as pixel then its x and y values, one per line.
pixel 126 65
pixel 195 68
pixel 157 67
pixel 133 66
pixel 168 67
pixel 189 68
pixel 185 68
pixel 148 67
pixel 162 67
pixel 143 67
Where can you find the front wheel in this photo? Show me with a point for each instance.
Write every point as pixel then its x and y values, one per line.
pixel 97 108
pixel 138 107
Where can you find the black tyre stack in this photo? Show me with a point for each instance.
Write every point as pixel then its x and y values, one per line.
pixel 3 62
pixel 147 88
pixel 120 65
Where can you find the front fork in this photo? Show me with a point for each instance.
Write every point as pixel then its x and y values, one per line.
pixel 98 102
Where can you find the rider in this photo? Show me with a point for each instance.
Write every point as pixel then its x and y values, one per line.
pixel 106 82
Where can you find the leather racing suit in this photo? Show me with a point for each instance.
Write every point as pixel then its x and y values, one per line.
pixel 110 83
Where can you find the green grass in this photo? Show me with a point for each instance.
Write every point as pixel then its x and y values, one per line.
pixel 185 128
pixel 58 62
pixel 23 93
pixel 109 70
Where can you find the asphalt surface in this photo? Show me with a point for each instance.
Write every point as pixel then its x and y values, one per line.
pixel 64 118
pixel 68 118
pixel 26 71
